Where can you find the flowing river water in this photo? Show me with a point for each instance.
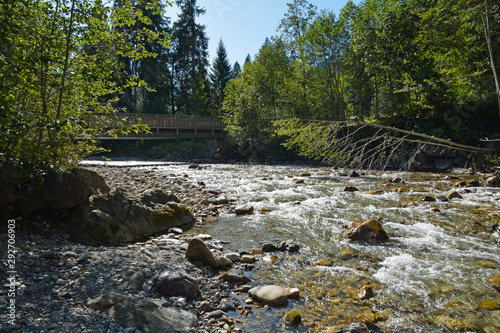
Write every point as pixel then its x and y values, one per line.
pixel 431 276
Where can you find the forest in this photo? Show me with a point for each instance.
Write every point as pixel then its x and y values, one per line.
pixel 423 66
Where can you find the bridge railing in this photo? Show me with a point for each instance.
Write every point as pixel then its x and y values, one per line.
pixel 160 121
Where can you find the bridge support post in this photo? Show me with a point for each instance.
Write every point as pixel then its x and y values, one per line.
pixel 220 143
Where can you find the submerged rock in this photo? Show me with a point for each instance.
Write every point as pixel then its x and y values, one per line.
pixel 494 281
pixel 293 319
pixel 145 315
pixel 367 231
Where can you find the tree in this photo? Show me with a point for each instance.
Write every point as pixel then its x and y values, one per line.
pixel 221 73
pixel 293 28
pixel 236 70
pixel 248 60
pixel 58 59
pixel 191 60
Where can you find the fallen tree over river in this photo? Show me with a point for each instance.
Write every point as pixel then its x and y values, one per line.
pixel 357 144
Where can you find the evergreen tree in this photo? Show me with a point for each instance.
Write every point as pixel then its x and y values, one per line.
pixel 221 74
pixel 236 70
pixel 248 60
pixel 191 60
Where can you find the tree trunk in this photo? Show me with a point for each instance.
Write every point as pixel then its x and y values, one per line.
pixel 487 34
pixel 66 59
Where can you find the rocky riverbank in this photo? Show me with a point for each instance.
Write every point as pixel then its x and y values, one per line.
pixel 162 284
pixel 175 282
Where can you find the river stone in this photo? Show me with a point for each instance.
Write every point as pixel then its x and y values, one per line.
pixel 294 293
pixel 177 283
pixel 494 281
pixel 492 181
pixel 224 262
pixel 452 194
pixel 145 315
pixel 350 189
pixel 199 251
pixel 243 210
pixel 117 218
pixel 247 258
pixel 268 247
pixel 270 295
pixel 293 319
pixel 367 231
pixel 235 278
pixel 135 279
pixel 233 256
pixel 289 246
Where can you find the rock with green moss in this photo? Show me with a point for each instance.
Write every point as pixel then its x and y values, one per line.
pixel 293 318
pixel 116 218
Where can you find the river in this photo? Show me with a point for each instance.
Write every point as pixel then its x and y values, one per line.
pixel 431 276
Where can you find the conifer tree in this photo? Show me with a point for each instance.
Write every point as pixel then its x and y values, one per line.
pixel 221 73
pixel 191 59
pixel 236 70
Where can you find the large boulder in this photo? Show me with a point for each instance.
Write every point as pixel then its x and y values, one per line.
pixel 367 231
pixel 177 283
pixel 117 218
pixel 145 315
pixel 64 190
pixel 94 181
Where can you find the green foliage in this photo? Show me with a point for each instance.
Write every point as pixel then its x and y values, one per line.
pixel 57 63
pixel 429 63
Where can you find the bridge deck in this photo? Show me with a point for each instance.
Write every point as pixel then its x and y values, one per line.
pixel 169 126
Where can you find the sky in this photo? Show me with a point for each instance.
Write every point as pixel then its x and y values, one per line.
pixel 244 25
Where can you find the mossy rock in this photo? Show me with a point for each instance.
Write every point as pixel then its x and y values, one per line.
pixel 293 319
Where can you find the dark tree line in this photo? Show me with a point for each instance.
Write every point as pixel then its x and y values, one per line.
pixel 179 78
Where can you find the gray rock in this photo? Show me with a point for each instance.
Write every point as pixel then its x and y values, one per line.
pixel 135 279
pixel 443 164
pixel 289 246
pixel 493 181
pixel 153 197
pixel 235 278
pixel 116 218
pixel 177 283
pixel 243 210
pixel 199 251
pixel 145 315
pixel 95 181
pixel 271 295
pixel 233 256
pixel 64 190
pixel 247 258
pixel 268 247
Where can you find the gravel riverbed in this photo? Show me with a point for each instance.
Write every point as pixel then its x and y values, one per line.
pixel 57 278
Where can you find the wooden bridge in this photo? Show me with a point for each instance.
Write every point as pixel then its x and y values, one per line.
pixel 169 127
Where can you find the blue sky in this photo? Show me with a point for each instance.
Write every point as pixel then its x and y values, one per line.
pixel 244 25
